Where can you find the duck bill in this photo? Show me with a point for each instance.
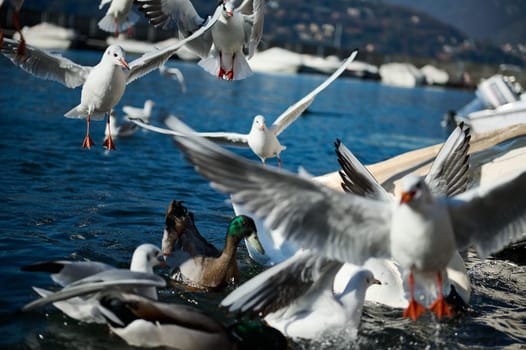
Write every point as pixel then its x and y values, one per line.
pixel 255 243
pixel 406 197
pixel 124 64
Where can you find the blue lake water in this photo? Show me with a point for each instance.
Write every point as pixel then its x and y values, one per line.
pixel 60 201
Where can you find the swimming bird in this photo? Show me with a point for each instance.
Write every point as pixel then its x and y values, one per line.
pixel 421 231
pixel 144 113
pixel 119 16
pixel 297 297
pixel 263 140
pixel 144 322
pixel 102 85
pixel 86 277
pixel 200 264
pixel 116 129
pixel 17 4
pixel 234 31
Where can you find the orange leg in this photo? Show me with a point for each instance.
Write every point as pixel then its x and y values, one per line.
pixel 440 307
pixel 21 51
pixel 130 30
pixel 88 142
pixel 222 72
pixel 414 309
pixel 279 163
pixel 116 28
pixel 108 143
pixel 230 73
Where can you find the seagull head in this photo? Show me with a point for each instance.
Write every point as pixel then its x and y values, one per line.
pixel 116 55
pixel 259 123
pixel 228 7
pixel 146 257
pixel 414 188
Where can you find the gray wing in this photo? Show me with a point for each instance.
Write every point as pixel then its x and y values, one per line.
pixel 355 176
pixel 491 217
pixel 337 225
pixel 65 272
pixel 96 283
pixel 293 112
pixel 224 138
pixel 229 139
pixel 448 175
pixel 180 14
pixel 254 14
pixel 45 65
pixel 154 59
pixel 280 285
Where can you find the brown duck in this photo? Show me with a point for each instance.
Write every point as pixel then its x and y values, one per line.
pixel 200 264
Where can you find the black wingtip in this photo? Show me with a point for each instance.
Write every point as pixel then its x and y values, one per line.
pixel 47 266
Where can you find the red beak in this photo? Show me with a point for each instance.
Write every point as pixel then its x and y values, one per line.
pixel 406 197
pixel 124 64
pixel 230 13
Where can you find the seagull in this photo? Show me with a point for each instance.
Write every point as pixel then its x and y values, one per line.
pixel 102 85
pixel 17 4
pixel 421 231
pixel 119 16
pixel 125 128
pixel 233 31
pixel 261 139
pixel 86 277
pixel 174 73
pixel 448 176
pixel 144 114
pixel 297 297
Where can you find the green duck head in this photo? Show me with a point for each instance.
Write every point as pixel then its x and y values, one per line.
pixel 243 226
pixel 255 335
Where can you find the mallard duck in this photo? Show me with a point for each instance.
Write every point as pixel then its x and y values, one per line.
pixel 147 323
pixel 200 264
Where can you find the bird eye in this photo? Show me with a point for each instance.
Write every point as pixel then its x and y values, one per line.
pixel 115 55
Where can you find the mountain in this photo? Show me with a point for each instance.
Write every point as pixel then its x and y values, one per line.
pixel 495 21
pixel 382 28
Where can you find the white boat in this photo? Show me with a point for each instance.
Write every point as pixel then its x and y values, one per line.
pixel 500 102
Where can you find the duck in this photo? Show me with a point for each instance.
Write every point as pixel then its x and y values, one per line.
pixel 200 264
pixel 234 34
pixel 420 230
pixel 143 322
pixel 85 277
pixel 297 297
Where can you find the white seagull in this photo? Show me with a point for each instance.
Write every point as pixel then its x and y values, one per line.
pixel 262 140
pixel 421 231
pixel 86 277
pixel 102 85
pixel 297 297
pixel 234 31
pixel 144 113
pixel 119 16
